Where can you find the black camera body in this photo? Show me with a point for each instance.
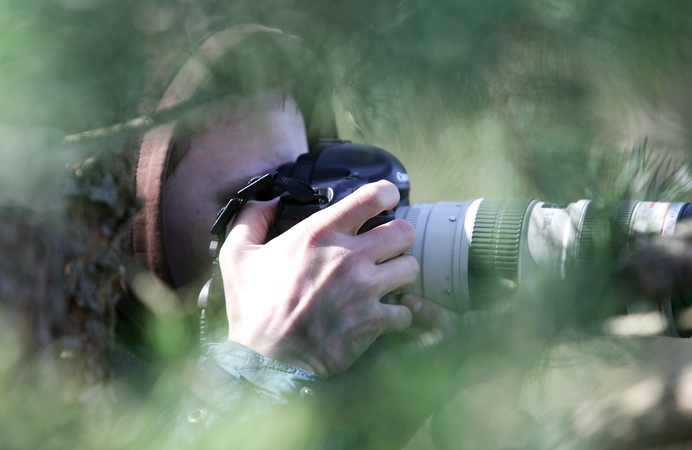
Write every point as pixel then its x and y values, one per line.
pixel 336 168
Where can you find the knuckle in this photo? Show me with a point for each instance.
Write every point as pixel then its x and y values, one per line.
pixel 396 319
pixel 338 263
pixel 382 195
pixel 377 323
pixel 409 270
pixel 314 230
pixel 362 278
pixel 368 195
pixel 364 285
pixel 413 268
pixel 405 230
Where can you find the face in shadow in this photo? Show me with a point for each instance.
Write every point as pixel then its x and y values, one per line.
pixel 238 140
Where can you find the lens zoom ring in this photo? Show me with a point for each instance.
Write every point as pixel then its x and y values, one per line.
pixel 494 248
pixel 598 224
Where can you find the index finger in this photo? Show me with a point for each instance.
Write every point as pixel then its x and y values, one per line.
pixel 252 223
pixel 349 214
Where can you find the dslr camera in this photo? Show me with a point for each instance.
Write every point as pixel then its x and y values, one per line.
pixel 469 250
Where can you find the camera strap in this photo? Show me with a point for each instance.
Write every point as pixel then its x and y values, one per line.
pixel 211 294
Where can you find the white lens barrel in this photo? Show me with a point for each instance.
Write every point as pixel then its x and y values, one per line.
pixel 468 250
pixel 443 236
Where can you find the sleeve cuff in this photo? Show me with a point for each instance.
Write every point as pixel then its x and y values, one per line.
pixel 258 372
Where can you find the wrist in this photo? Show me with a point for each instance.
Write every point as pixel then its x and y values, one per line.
pixel 305 362
pixel 291 355
pixel 251 370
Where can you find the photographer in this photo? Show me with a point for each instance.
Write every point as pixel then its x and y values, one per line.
pixel 302 307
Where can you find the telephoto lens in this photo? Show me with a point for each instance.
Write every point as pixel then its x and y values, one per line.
pixel 472 253
pixel 468 250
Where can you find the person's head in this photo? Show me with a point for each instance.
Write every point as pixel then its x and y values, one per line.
pixel 188 169
pixel 236 141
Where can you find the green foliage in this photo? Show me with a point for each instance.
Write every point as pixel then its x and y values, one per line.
pixel 551 99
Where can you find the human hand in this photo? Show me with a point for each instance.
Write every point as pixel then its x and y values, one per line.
pixel 310 297
pixel 431 316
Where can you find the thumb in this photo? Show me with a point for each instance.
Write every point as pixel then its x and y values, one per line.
pixel 430 315
pixel 396 318
pixel 253 222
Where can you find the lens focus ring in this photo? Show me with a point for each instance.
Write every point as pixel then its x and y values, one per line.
pixel 494 249
pixel 598 224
